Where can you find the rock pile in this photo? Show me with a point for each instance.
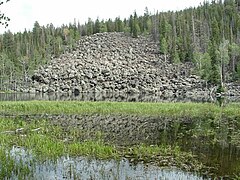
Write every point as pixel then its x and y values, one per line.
pixel 115 62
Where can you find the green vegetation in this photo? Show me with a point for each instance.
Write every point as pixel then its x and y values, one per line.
pixel 207 36
pixel 8 166
pixel 200 110
pixel 48 141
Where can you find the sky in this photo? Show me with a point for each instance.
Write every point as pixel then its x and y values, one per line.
pixel 23 13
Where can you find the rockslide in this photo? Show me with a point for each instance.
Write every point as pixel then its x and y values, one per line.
pixel 116 62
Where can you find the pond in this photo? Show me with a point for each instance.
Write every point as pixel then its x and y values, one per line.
pixel 109 97
pixel 213 140
pixel 86 168
pixel 215 145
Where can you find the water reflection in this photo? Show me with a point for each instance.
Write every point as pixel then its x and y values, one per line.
pixel 211 140
pixel 84 168
pixel 108 97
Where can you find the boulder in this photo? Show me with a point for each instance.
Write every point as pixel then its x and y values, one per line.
pixel 114 62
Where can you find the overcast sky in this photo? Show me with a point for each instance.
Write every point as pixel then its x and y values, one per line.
pixel 23 13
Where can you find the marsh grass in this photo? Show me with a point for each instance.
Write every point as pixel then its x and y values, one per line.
pixel 9 166
pixel 50 141
pixel 164 155
pixel 136 108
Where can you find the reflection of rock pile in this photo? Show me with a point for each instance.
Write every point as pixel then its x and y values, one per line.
pixel 114 62
pixel 120 129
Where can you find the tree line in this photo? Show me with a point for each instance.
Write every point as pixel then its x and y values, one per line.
pixel 207 36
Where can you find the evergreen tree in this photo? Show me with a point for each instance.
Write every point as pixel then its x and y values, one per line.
pixel 214 77
pixel 110 26
pixel 118 25
pixel 97 26
pixel 215 36
pixel 36 35
pixel 103 27
pixel 175 57
pixel 89 27
pixel 135 26
pixel 206 67
pixel 147 23
pixel 234 54
pixel 208 36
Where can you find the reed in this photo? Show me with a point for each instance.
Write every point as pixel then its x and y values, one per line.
pixel 136 108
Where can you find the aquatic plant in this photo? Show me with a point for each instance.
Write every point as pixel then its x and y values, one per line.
pixel 9 166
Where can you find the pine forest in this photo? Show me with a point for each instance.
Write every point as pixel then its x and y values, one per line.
pixel 207 36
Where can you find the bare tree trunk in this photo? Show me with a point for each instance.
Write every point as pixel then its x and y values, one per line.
pixel 194 34
pixel 1 83
pixel 221 73
pixel 233 64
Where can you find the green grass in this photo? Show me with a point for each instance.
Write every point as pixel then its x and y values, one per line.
pixel 134 108
pixel 49 140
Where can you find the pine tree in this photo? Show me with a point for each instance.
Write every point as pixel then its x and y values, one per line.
pixel 103 27
pixel 175 57
pixel 234 54
pixel 97 26
pixel 118 25
pixel 110 26
pixel 208 35
pixel 89 26
pixel 214 77
pixel 147 23
pixel 36 35
pixel 205 71
pixel 215 35
pixel 135 26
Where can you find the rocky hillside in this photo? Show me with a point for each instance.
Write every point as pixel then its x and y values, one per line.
pixel 115 62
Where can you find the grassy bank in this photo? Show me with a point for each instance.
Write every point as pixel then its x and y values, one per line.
pixel 135 108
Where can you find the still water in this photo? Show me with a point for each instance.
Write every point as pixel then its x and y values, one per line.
pixel 107 97
pixel 215 144
pixel 210 140
pixel 84 168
